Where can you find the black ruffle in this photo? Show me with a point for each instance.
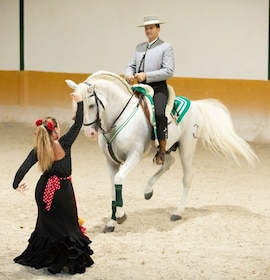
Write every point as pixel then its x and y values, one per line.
pixel 71 252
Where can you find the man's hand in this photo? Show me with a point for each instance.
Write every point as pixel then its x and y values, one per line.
pixel 140 77
pixel 130 79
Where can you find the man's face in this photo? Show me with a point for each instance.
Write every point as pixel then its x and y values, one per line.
pixel 151 32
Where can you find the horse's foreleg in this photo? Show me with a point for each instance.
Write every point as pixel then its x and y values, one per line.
pixel 118 213
pixel 148 191
pixel 113 169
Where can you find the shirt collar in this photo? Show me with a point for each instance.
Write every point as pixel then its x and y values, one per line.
pixel 150 44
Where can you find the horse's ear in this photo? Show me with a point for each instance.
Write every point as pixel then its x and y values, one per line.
pixel 71 84
pixel 90 88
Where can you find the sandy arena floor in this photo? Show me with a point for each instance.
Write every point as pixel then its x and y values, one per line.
pixel 224 233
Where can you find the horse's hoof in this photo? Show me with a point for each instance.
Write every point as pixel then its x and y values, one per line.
pixel 175 218
pixel 147 196
pixel 120 220
pixel 108 229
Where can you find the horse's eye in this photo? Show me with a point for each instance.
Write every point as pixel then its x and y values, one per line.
pixel 91 106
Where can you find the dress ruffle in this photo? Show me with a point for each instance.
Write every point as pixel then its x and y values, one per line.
pixel 71 252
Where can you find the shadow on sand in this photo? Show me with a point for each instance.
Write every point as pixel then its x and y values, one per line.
pixel 159 218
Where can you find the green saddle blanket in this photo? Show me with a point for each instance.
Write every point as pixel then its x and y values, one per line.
pixel 180 106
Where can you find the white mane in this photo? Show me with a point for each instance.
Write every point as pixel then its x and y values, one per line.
pixel 109 76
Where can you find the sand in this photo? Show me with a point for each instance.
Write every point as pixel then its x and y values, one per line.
pixel 224 233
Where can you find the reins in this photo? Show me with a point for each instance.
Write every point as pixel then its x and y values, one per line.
pixel 97 121
pixel 121 114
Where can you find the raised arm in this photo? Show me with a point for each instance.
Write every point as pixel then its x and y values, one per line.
pixel 73 132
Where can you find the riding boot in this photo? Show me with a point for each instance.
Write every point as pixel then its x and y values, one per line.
pixel 160 155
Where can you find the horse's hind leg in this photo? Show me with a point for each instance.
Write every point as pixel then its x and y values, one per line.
pixel 186 152
pixel 148 191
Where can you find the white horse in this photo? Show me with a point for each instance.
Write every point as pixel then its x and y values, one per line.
pixel 112 114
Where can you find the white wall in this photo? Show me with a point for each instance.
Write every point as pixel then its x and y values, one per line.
pixel 211 38
pixel 9 35
pixel 223 39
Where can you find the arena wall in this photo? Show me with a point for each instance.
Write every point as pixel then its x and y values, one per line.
pixel 221 51
pixel 33 93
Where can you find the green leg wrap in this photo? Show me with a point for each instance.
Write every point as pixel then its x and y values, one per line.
pixel 113 210
pixel 119 200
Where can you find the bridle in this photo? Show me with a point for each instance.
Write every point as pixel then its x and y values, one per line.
pixel 97 121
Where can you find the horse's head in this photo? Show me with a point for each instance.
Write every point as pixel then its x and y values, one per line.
pixel 92 108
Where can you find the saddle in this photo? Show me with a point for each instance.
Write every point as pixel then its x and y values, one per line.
pixel 148 104
pixel 177 106
pixel 145 94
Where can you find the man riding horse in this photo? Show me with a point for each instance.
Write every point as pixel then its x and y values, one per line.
pixel 152 64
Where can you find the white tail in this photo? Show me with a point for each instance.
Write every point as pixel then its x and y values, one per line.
pixel 218 133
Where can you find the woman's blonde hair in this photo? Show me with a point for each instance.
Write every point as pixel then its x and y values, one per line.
pixel 43 142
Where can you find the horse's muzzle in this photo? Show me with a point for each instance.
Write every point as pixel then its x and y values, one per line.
pixel 91 133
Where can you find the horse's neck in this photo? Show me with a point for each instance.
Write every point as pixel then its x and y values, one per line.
pixel 116 98
pixel 112 77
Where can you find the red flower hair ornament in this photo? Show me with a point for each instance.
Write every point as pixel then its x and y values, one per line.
pixel 50 125
pixel 39 122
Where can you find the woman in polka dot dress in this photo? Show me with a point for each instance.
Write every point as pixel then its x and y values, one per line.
pixel 57 241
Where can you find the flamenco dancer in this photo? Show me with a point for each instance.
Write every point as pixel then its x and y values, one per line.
pixel 58 241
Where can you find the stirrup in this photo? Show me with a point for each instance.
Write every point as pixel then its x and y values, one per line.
pixel 159 158
pixel 173 148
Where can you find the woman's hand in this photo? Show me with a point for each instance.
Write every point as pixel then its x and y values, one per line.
pixel 76 97
pixel 22 188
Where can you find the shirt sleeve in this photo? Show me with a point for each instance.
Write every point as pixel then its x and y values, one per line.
pixel 24 168
pixel 131 67
pixel 74 130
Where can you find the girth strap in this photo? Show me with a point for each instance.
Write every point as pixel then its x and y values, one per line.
pixel 109 141
pixel 112 153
